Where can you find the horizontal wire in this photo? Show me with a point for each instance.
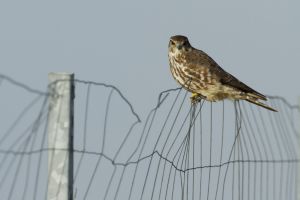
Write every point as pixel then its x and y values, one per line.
pixel 22 85
pixel 148 156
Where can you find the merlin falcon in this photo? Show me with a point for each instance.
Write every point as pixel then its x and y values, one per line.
pixel 198 73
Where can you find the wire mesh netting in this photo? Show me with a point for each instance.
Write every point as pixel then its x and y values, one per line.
pixel 219 150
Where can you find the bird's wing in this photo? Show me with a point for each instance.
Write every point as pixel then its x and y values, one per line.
pixel 231 81
pixel 225 77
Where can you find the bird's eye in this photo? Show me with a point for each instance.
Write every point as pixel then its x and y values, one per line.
pixel 172 42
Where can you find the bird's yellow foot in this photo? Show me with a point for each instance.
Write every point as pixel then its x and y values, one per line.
pixel 195 98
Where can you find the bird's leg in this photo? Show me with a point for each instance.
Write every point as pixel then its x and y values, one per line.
pixel 196 97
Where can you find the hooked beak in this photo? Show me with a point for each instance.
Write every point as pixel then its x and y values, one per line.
pixel 179 46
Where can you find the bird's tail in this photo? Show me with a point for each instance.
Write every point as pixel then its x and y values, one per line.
pixel 255 101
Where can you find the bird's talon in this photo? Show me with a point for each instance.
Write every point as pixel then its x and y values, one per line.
pixel 195 98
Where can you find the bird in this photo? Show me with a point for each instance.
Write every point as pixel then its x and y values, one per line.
pixel 199 74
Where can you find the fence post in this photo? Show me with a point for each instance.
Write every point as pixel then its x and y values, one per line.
pixel 60 136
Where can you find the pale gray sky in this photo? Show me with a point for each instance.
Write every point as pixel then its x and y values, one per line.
pixel 125 42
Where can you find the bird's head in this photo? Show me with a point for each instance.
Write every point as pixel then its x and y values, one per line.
pixel 179 43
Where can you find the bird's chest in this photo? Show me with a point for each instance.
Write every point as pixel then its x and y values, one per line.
pixel 193 78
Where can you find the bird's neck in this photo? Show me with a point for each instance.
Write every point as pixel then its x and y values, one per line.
pixel 176 54
pixel 177 59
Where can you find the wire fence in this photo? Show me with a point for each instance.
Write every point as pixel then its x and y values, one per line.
pixel 220 150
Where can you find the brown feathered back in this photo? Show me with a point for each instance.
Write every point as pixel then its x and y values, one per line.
pixel 201 58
